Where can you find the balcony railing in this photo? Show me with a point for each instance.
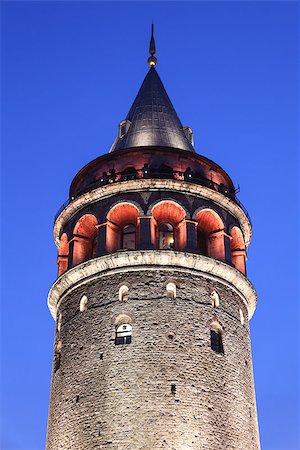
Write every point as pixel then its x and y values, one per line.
pixel 147 173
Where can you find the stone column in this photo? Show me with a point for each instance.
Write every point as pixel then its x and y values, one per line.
pixel 216 245
pixel 238 260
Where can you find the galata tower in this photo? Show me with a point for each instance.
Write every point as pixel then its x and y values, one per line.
pixel 152 303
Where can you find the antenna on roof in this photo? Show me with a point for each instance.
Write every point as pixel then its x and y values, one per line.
pixel 152 61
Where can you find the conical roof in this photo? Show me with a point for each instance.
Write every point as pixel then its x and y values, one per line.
pixel 152 119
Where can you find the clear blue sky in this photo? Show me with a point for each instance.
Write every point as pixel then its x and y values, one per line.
pixel 70 71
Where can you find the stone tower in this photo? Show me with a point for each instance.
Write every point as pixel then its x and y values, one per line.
pixel 152 303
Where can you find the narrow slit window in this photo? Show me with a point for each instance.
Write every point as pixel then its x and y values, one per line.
pixel 57 362
pixel 216 341
pixel 123 334
pixel 57 356
pixel 59 321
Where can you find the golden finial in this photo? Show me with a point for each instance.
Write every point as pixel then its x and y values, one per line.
pixel 152 50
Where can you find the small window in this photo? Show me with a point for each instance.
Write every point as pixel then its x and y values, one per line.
pixel 124 127
pixel 165 236
pixel 123 334
pixel 242 318
pixel 188 134
pixel 83 303
pixel 123 293
pixel 57 361
pixel 128 237
pixel 215 299
pixel 123 130
pixel 171 290
pixel 216 341
pixel 57 356
pixel 59 320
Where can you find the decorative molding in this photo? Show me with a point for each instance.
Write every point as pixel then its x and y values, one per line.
pixel 141 185
pixel 118 262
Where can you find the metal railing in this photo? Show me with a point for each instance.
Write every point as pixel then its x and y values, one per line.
pixel 147 173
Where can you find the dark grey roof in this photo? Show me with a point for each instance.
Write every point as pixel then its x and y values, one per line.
pixel 153 119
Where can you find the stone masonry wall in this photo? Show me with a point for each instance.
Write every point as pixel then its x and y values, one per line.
pixel 118 397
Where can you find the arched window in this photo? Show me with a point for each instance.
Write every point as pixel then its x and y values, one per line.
pixel 122 227
pixel 63 254
pixel 85 238
pixel 238 250
pixel 128 238
pixel 83 303
pixel 123 293
pixel 210 234
pixel 123 334
pixel 165 236
pixel 171 290
pixel 168 226
pixel 216 341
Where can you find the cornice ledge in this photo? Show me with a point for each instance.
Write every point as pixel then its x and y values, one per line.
pixel 153 185
pixel 153 259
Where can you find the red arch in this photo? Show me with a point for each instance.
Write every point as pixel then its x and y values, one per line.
pixel 238 249
pixel 85 238
pixel 117 218
pixel 168 211
pixel 63 254
pixel 210 234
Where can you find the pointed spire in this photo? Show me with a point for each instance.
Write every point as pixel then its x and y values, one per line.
pixel 152 61
pixel 152 120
